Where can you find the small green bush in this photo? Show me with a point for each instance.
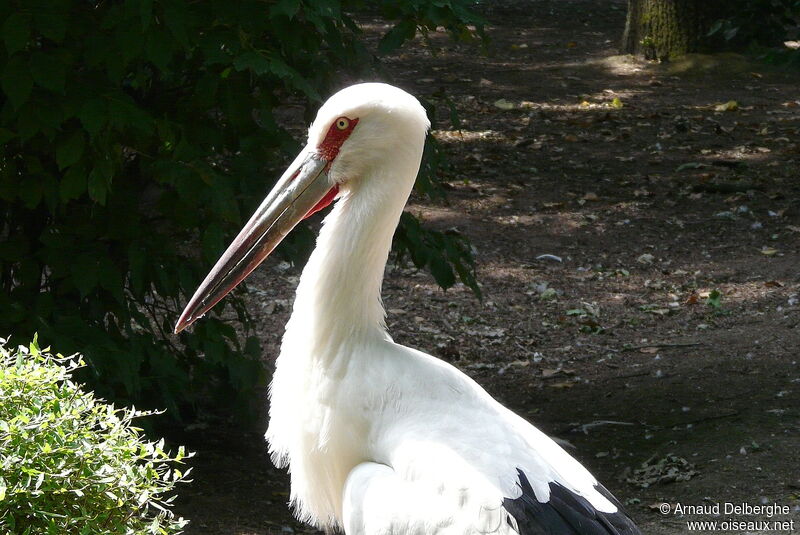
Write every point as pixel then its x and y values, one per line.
pixel 70 463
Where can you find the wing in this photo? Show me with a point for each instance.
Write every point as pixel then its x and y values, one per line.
pixel 566 513
pixel 450 459
pixel 378 500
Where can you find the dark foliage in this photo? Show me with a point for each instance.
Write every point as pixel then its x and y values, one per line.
pixel 136 137
pixel 762 26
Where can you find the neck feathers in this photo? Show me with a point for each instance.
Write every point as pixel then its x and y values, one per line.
pixel 337 323
pixel 338 302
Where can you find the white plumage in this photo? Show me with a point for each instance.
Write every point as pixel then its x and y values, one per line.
pixel 380 438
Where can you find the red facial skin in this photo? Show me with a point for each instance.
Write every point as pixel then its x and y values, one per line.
pixel 329 150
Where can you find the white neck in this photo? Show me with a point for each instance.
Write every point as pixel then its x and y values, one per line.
pixel 336 327
pixel 338 315
pixel 338 305
pixel 337 318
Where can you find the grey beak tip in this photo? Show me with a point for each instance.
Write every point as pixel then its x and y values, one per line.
pixel 183 322
pixel 304 185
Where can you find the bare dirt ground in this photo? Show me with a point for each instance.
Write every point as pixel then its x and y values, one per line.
pixel 666 331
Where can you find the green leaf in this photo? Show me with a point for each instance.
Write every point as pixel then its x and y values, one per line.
pixel 715 27
pixel 159 48
pixel 286 8
pixel 48 71
pixel 16 32
pixel 176 18
pixel 110 278
pixel 730 33
pixel 93 115
pixel 17 82
pixel 254 61
pixel 6 135
pixel 51 19
pixel 442 272
pixel 714 300
pixel 99 180
pixel 281 69
pixel 205 90
pixel 213 241
pixel 129 44
pixel 70 150
pixel 73 184
pixel 399 34
pixel 83 273
pixel 146 13
pixel 125 114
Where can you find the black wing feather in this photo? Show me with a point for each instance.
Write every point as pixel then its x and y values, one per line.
pixel 565 513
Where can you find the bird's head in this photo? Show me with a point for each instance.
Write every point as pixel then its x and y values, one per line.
pixel 356 132
pixel 362 127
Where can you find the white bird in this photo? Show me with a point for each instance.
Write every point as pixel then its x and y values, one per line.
pixel 380 438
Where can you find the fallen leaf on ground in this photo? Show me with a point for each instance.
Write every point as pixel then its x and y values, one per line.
pixel 668 469
pixel 690 165
pixel 504 104
pixel 769 251
pixel 548 294
pixel 731 105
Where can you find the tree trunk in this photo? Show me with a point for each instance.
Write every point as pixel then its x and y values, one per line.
pixel 664 29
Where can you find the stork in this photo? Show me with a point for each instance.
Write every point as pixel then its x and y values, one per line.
pixel 380 438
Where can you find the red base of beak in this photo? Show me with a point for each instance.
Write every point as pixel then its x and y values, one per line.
pixel 324 202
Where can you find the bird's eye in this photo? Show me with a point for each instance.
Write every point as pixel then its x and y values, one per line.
pixel 342 123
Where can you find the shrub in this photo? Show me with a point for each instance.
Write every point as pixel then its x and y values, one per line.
pixel 70 463
pixel 761 25
pixel 135 136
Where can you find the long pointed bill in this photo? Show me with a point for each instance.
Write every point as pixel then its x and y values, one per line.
pixel 302 190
